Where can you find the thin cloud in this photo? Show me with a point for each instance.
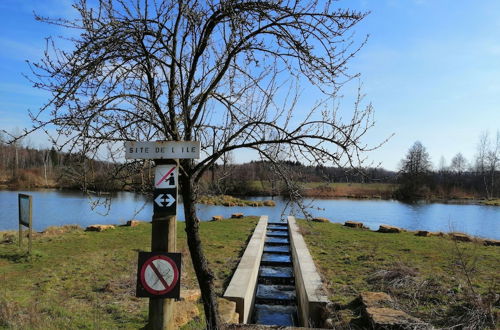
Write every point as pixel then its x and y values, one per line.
pixel 17 50
pixel 21 89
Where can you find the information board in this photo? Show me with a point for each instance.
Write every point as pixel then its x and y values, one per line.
pixel 25 210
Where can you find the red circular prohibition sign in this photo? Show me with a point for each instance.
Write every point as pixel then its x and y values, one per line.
pixel 159 275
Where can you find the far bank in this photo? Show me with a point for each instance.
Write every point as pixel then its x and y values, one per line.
pixel 37 179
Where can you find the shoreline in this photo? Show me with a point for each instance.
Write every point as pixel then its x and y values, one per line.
pixel 452 201
pixel 383 228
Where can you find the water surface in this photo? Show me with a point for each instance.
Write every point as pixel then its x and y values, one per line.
pixel 55 208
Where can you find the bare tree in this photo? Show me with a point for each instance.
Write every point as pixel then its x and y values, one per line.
pixel 458 164
pixel 493 164
pixel 414 172
pixel 488 162
pixel 417 161
pixel 226 73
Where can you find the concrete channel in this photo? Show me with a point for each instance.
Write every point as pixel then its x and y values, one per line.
pixel 276 282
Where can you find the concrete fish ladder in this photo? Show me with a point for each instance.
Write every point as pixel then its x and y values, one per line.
pixel 276 282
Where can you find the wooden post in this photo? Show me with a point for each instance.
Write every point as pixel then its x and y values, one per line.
pixel 30 233
pixel 20 225
pixel 20 234
pixel 163 239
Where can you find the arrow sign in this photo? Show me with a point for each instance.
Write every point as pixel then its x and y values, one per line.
pixel 165 201
pixel 164 198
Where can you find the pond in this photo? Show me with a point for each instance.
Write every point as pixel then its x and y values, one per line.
pixel 55 208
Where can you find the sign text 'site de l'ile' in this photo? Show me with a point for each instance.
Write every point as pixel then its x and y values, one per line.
pixel 162 150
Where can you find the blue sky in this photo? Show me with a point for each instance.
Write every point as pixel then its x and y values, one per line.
pixel 431 68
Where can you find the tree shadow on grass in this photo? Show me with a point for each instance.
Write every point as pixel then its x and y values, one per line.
pixel 16 257
pixel 20 257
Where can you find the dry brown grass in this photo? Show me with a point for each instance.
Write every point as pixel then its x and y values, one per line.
pixel 58 230
pixel 351 191
pixel 28 179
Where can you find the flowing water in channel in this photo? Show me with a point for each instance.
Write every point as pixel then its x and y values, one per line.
pixel 275 299
pixel 56 208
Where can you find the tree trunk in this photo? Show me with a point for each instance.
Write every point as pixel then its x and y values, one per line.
pixel 203 273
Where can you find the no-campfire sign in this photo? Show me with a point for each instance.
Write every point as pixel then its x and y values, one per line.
pixel 158 275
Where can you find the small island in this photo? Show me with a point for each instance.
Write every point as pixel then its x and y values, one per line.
pixel 225 200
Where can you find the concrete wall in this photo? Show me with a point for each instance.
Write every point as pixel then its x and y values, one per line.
pixel 311 296
pixel 241 289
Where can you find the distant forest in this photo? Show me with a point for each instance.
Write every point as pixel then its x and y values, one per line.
pixel 25 167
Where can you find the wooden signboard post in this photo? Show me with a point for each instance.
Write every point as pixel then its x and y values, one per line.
pixel 162 265
pixel 25 218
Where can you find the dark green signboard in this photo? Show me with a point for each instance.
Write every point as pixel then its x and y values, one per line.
pixel 25 217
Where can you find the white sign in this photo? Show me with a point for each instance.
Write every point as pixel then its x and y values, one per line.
pixel 166 176
pixel 159 275
pixel 164 200
pixel 161 278
pixel 162 149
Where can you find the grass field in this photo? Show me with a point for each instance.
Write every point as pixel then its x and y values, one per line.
pixel 436 279
pixel 78 279
pixel 87 280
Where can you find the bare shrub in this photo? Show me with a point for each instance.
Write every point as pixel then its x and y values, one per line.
pixel 7 238
pixel 7 312
pixel 471 309
pixel 397 277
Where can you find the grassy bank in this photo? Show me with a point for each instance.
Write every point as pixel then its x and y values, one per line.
pixel 349 190
pixel 493 202
pixel 326 190
pixel 225 200
pixel 87 280
pixel 436 279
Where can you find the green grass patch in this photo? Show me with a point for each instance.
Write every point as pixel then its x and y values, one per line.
pixel 329 189
pixel 429 276
pixel 78 279
pixel 493 202
pixel 226 200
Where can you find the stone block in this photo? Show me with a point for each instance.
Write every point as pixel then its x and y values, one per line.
pixel 353 224
pixel 461 237
pixel 185 311
pixel 492 242
pixel 133 223
pixel 375 299
pixel 190 295
pixel 426 233
pixel 227 311
pixel 320 219
pixel 217 218
pixel 99 227
pixel 236 215
pixel 389 229
pixel 388 318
